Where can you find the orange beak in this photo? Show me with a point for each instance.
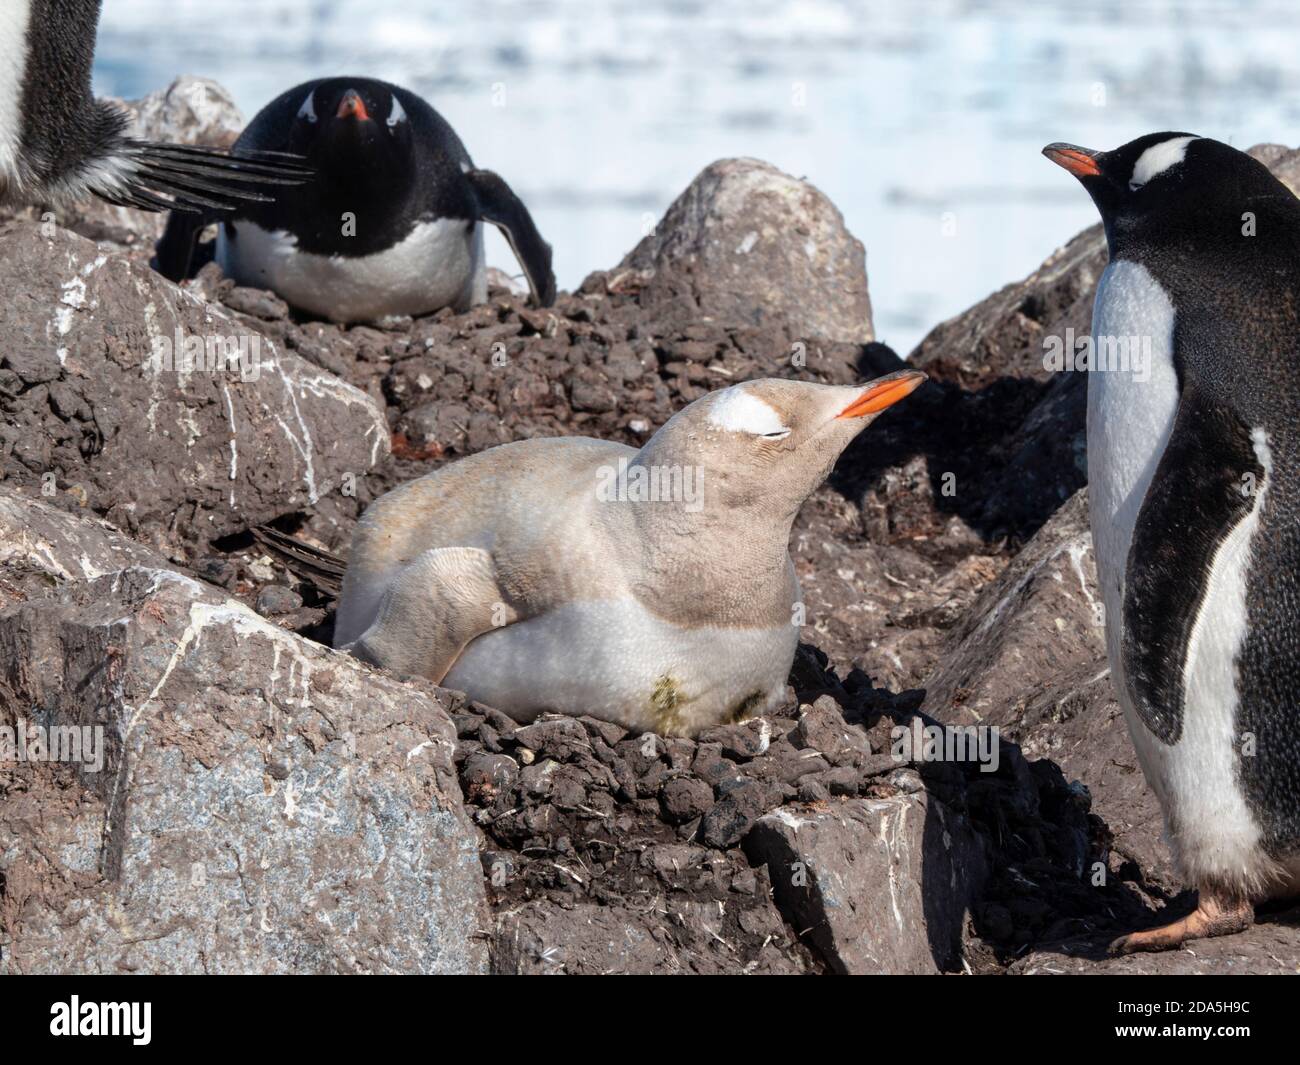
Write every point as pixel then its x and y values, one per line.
pixel 352 106
pixel 1078 161
pixel 884 392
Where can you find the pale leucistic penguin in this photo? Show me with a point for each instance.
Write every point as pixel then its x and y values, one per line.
pixel 650 587
pixel 1194 492
pixel 392 224
pixel 59 144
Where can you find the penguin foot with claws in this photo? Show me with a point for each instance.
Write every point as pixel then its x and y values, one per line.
pixel 1216 914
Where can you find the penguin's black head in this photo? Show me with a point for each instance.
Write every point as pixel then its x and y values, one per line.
pixel 348 125
pixel 1163 178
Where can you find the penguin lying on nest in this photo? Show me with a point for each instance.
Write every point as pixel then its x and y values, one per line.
pixel 1194 493
pixel 393 224
pixel 59 144
pixel 552 574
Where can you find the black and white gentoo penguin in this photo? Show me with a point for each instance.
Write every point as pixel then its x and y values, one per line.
pixel 1194 491
pixel 59 144
pixel 392 225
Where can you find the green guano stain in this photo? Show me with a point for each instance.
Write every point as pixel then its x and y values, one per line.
pixel 666 702
pixel 745 708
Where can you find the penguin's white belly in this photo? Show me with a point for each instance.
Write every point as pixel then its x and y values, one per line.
pixel 613 659
pixel 440 264
pixel 1129 424
pixel 14 15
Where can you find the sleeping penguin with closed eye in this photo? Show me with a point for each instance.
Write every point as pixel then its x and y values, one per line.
pixel 392 224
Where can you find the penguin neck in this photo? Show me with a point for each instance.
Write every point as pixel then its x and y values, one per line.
pixel 378 179
pixel 697 560
pixel 355 165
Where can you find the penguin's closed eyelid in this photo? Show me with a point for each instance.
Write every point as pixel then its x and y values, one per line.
pixel 397 114
pixel 308 108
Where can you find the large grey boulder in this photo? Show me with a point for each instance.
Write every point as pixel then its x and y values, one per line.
pixel 1283 161
pixel 261 803
pixel 877 885
pixel 102 409
pixel 747 244
pixel 1003 334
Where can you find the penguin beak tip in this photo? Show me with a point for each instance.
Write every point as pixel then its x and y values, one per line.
pixel 352 106
pixel 884 392
pixel 1081 162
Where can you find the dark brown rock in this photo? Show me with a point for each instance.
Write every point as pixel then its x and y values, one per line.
pixel 175 458
pixel 685 798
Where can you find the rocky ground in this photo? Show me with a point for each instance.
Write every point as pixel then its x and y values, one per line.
pixel 268 804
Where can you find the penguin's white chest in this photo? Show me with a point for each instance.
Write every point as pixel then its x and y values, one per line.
pixel 618 662
pixel 439 264
pixel 1132 400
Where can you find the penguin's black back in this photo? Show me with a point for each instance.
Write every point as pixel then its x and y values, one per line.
pixel 387 200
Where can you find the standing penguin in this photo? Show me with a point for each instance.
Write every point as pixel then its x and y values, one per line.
pixel 58 143
pixel 1194 492
pixel 393 223
pixel 652 588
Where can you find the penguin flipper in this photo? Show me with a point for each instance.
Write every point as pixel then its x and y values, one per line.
pixel 177 255
pixel 1208 481
pixel 499 205
pixel 311 563
pixel 144 174
pixel 430 611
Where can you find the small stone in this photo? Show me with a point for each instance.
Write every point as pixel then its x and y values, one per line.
pixel 744 882
pixel 822 727
pixel 219 571
pixel 274 600
pixel 907 781
pixel 742 741
pixel 485 776
pixel 743 802
pixel 812 790
pixel 684 798
pixel 256 303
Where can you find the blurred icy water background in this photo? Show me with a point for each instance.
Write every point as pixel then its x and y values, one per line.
pixel 921 119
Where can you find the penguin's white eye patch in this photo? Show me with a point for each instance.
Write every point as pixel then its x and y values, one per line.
pixel 397 114
pixel 737 410
pixel 308 108
pixel 1157 159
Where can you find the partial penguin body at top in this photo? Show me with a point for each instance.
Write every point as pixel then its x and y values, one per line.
pixel 393 223
pixel 59 144
pixel 1194 491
